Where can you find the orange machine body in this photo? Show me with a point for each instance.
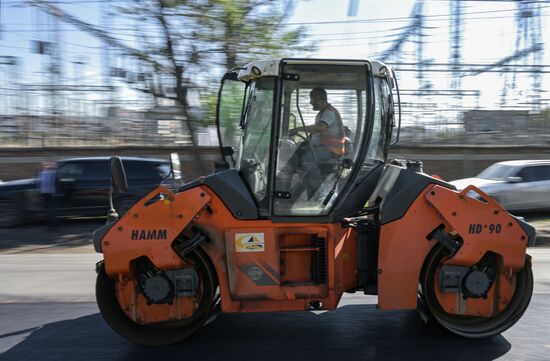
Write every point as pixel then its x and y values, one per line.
pixel 266 266
pixel 260 265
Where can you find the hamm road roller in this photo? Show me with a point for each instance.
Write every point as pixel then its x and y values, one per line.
pixel 303 208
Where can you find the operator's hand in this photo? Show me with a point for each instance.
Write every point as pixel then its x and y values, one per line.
pixel 293 132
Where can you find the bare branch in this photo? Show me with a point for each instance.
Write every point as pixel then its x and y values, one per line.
pixel 89 28
pixel 167 35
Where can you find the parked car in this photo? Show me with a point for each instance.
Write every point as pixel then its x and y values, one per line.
pixel 521 185
pixel 82 186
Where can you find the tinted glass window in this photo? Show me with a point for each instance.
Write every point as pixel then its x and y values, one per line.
pixel 381 126
pixel 231 106
pixel 535 174
pixel 69 170
pixel 498 172
pixel 95 170
pixel 254 152
pixel 146 170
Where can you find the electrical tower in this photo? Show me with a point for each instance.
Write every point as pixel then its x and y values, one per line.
pixel 456 44
pixel 10 78
pixel 527 55
pixel 529 36
pixel 106 52
pixel 414 32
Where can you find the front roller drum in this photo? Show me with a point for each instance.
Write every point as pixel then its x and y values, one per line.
pixel 472 326
pixel 161 333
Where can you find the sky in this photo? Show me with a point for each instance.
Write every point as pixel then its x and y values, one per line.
pixel 488 35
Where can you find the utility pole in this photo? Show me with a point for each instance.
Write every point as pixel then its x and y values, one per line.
pixel 106 65
pixel 456 44
pixel 55 71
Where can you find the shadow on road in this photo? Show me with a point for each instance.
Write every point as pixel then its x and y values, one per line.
pixel 70 233
pixel 354 332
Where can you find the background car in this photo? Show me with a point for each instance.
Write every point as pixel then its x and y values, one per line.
pixel 520 185
pixel 82 186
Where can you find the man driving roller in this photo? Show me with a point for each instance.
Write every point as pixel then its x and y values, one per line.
pixel 326 142
pixel 327 134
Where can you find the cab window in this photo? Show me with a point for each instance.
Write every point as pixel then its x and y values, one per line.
pixel 229 114
pixel 323 119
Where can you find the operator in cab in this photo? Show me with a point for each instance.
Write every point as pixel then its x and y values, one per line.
pixel 324 145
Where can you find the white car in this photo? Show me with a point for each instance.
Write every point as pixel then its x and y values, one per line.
pixel 520 185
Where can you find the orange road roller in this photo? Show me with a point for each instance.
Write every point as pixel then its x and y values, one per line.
pixel 304 206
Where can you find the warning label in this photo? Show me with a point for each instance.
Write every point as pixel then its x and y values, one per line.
pixel 249 242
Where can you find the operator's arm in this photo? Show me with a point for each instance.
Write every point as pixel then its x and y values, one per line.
pixel 310 129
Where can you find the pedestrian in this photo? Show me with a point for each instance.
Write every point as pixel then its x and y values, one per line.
pixel 46 185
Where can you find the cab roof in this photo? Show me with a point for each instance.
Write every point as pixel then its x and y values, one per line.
pixel 270 67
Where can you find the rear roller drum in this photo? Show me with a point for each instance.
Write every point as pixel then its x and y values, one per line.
pixel 471 326
pixel 163 333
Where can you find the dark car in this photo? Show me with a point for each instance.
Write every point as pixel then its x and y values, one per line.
pixel 82 186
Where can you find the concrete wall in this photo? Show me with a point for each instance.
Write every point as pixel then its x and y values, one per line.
pixel 448 162
pixel 17 163
pixel 454 162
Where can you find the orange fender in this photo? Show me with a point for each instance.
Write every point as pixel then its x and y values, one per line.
pixel 404 244
pixel 149 228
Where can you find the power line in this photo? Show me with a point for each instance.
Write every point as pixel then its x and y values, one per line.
pixel 462 64
pixel 429 17
pixel 74 2
pixel 446 16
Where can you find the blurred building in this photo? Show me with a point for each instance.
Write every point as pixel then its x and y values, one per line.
pixel 10 125
pixel 476 121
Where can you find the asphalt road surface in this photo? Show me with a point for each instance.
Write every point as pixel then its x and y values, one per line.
pixel 47 312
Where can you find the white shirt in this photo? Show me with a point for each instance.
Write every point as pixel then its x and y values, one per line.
pixel 330 118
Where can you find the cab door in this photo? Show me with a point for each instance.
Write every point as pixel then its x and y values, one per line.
pixel 312 170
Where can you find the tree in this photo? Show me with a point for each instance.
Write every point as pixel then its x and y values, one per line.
pixel 182 41
pixel 252 29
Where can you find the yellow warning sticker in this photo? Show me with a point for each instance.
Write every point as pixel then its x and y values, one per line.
pixel 249 242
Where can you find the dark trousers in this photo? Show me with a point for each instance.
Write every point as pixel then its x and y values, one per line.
pixel 50 206
pixel 314 167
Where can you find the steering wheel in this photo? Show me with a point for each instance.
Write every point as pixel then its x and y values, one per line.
pixel 292 119
pixel 299 135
